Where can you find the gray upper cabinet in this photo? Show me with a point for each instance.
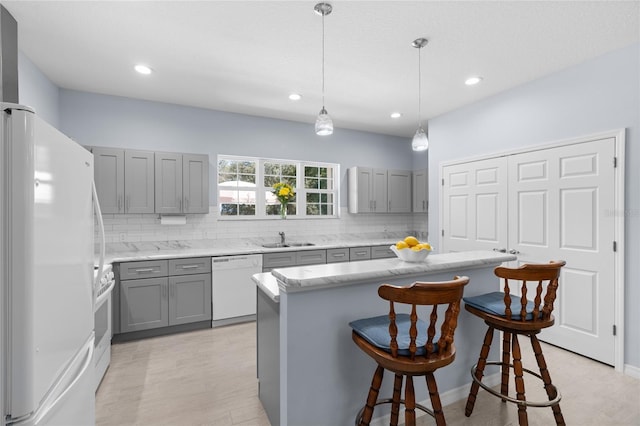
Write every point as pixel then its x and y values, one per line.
pixel 109 178
pixel 138 182
pixel 367 190
pixel 399 191
pixel 182 183
pixel 379 190
pixel 420 191
pixel 124 180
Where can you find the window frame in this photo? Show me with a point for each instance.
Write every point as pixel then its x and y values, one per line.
pixel 301 191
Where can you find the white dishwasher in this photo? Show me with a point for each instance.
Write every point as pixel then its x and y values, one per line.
pixel 233 292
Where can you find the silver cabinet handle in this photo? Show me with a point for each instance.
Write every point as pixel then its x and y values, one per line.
pixel 361 253
pixel 424 207
pixel 127 204
pixel 374 204
pixel 186 204
pixel 339 255
pixel 514 251
pixel 501 250
pixel 145 270
pixel 189 266
pixel 389 205
pixel 119 203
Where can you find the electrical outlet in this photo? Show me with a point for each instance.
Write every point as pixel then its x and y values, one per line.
pixel 123 236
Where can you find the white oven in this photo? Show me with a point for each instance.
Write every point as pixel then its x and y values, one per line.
pixel 102 323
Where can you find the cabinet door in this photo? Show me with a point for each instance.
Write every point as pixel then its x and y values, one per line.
pixel 109 178
pixel 399 191
pixel 138 184
pixel 168 181
pixel 379 194
pixel 420 187
pixel 360 189
pixel 143 304
pixel 381 252
pixel 195 184
pixel 189 298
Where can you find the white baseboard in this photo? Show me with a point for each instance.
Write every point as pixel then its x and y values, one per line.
pixel 632 371
pixel 446 398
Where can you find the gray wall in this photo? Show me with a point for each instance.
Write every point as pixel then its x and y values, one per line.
pixel 37 91
pixel 598 95
pixel 101 120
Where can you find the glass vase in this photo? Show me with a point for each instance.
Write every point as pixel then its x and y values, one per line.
pixel 283 211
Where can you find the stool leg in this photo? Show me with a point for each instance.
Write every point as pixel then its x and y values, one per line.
pixel 517 367
pixel 546 378
pixel 435 400
pixel 373 396
pixel 482 362
pixel 506 360
pixel 395 405
pixel 409 403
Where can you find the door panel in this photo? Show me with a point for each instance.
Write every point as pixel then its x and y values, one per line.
pixel 474 195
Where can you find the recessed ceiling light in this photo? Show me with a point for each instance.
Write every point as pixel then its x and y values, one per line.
pixel 295 97
pixel 472 80
pixel 143 69
pixel 396 115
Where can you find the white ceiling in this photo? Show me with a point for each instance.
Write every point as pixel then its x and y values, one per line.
pixel 247 56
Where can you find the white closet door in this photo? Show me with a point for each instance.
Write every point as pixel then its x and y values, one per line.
pixel 560 201
pixel 475 206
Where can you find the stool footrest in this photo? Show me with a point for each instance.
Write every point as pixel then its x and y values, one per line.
pixel 549 403
pixel 390 401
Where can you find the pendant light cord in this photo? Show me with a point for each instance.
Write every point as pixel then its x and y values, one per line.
pixel 323 60
pixel 419 90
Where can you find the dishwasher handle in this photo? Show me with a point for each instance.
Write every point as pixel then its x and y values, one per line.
pixel 236 262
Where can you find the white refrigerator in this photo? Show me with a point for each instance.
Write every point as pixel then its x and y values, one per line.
pixel 46 267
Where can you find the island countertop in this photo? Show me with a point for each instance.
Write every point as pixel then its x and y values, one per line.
pixel 310 277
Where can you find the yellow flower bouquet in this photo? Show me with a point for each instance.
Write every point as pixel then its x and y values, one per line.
pixel 284 193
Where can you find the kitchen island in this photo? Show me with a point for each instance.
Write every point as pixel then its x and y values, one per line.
pixel 311 373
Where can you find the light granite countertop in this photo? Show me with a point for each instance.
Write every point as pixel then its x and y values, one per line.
pixel 128 252
pixel 302 278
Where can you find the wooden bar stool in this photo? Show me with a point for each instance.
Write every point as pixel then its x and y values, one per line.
pixel 408 346
pixel 514 315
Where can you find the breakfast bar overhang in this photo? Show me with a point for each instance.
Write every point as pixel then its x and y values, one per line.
pixel 311 373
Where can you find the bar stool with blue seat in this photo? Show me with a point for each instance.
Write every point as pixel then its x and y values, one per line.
pixel 514 315
pixel 409 346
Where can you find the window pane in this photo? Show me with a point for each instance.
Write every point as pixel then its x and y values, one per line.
pixel 312 209
pixel 223 177
pixel 311 183
pixel 289 169
pixel 248 179
pixel 323 198
pixel 323 209
pixel 323 183
pixel 247 167
pixel 291 181
pixel 323 172
pixel 310 171
pixel 272 209
pixel 269 181
pixel 329 183
pixel 228 209
pixel 271 169
pixel 291 209
pixel 313 197
pixel 247 209
pixel 227 166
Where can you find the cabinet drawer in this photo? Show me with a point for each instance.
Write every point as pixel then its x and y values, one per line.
pixel 144 269
pixel 279 260
pixel 337 255
pixel 359 253
pixel 190 265
pixel 311 257
pixel 381 252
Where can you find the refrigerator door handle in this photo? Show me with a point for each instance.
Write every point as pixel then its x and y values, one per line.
pixel 98 212
pixel 47 404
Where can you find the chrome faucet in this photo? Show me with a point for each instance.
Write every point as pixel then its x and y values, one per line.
pixel 281 237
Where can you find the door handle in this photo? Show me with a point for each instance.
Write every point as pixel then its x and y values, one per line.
pixel 514 251
pixel 501 250
pixel 186 204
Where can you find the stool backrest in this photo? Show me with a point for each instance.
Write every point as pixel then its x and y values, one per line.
pixel 537 273
pixel 426 294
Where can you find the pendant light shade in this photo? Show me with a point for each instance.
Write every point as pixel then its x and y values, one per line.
pixel 420 141
pixel 324 124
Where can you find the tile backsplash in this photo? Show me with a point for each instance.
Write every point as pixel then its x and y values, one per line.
pixel 147 227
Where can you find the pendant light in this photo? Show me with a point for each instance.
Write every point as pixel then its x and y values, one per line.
pixel 420 141
pixel 324 124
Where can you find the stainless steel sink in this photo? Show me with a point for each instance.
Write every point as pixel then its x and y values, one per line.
pixel 280 245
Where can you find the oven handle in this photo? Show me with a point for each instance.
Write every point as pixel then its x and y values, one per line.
pixel 105 294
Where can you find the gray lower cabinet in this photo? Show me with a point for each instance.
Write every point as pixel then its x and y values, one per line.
pixel 338 255
pixel 163 293
pixel 359 253
pixel 381 252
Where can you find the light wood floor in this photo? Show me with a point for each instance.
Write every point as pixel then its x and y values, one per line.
pixel 208 377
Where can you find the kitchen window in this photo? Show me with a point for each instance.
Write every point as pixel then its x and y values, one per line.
pixel 245 187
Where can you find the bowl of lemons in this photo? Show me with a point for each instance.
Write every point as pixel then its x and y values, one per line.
pixel 411 250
